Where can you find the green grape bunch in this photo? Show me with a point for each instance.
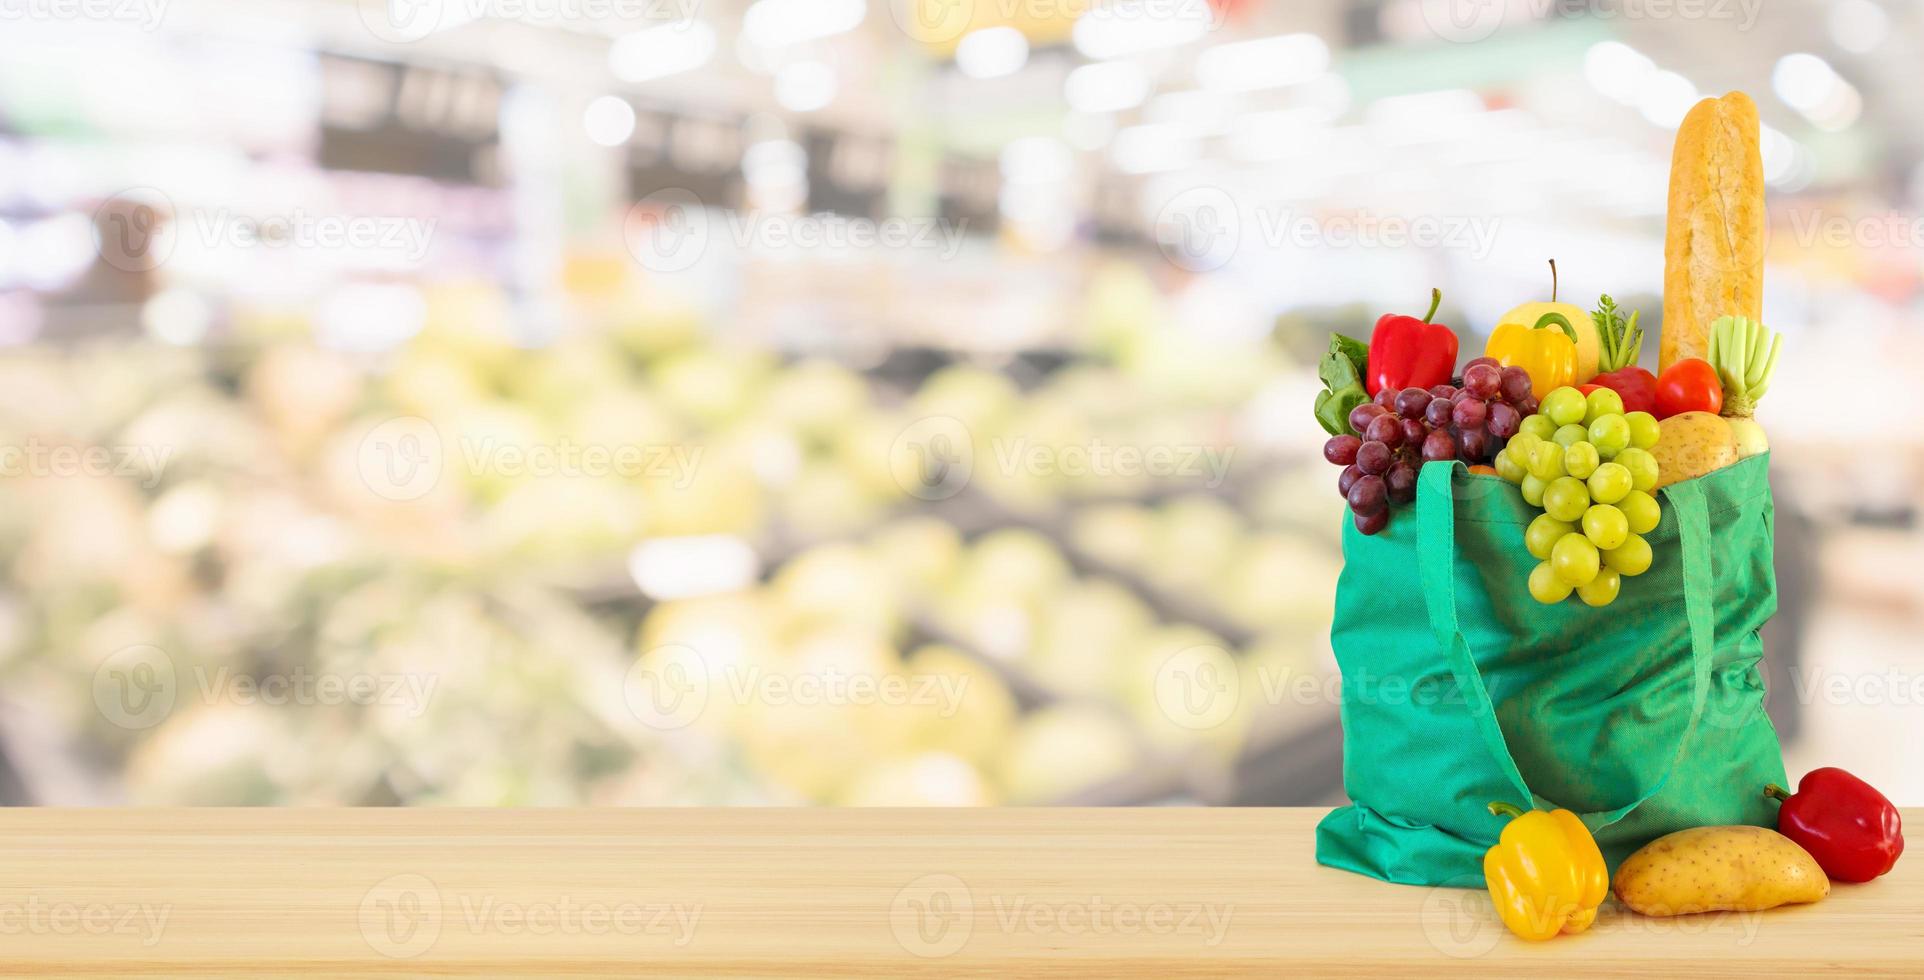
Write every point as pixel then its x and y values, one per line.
pixel 1588 465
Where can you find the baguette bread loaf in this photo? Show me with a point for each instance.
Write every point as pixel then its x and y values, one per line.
pixel 1714 245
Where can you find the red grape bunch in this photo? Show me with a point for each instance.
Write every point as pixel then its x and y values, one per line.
pixel 1401 430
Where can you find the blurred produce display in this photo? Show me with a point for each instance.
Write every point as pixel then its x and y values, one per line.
pixel 763 525
pixel 839 401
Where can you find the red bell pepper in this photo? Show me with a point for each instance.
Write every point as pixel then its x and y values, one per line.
pixel 1637 388
pixel 1409 353
pixel 1851 829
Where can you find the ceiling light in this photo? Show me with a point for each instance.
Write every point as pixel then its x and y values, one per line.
pixel 1617 70
pixel 661 51
pixel 992 52
pixel 610 120
pixel 1107 86
pixel 1665 98
pixel 1271 62
pixel 1153 148
pixel 1810 85
pixel 805 86
pixel 1036 160
pixel 1858 26
pixel 1123 28
pixel 779 23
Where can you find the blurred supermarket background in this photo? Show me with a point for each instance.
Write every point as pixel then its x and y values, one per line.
pixel 828 401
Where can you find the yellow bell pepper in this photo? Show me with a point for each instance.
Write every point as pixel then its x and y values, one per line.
pixel 1549 355
pixel 1545 873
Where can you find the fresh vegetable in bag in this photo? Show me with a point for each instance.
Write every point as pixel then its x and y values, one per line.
pixel 1406 352
pixel 1341 370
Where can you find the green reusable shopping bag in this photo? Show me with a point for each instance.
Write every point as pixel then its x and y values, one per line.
pixel 1643 717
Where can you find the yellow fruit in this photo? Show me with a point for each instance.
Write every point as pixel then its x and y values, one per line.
pixel 1602 590
pixel 1691 445
pixel 1711 869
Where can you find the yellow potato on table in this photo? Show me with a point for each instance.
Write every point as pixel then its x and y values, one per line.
pixel 1715 869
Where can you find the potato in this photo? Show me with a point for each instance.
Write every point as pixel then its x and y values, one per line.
pixel 1711 869
pixel 1691 445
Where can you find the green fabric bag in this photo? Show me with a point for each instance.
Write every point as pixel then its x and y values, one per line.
pixel 1643 717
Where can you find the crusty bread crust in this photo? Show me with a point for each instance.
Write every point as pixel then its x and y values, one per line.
pixel 1714 245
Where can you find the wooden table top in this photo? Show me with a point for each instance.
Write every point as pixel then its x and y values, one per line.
pixel 762 892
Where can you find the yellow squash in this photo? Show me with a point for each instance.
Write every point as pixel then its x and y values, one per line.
pixel 1545 873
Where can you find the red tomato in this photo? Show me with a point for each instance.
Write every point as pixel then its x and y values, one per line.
pixel 1690 385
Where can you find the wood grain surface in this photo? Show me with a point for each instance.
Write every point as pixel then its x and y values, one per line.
pixel 785 893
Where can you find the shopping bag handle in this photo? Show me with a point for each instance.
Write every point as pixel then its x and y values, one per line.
pixel 1436 568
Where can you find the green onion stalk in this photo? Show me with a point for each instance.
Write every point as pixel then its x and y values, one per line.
pixel 1744 354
